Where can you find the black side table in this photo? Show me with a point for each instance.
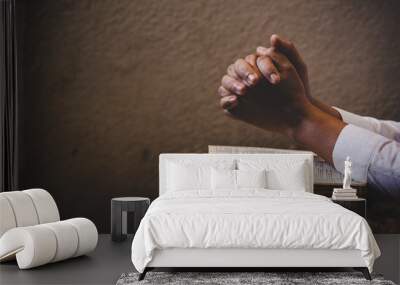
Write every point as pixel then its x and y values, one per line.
pixel 119 215
pixel 358 205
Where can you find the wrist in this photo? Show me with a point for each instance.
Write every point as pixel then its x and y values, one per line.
pixel 317 131
pixel 307 121
pixel 325 108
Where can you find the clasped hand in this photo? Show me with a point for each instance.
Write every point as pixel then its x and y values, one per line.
pixel 268 89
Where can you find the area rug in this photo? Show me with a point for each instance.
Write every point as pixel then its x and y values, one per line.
pixel 244 278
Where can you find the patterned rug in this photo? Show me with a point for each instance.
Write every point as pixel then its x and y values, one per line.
pixel 243 278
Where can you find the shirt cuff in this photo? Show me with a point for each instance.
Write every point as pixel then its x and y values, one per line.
pixel 354 119
pixel 361 146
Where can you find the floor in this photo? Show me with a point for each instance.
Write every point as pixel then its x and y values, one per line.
pixel 103 266
pixel 388 264
pixel 111 259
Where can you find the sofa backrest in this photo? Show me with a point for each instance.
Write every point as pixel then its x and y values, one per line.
pixel 26 208
pixel 273 162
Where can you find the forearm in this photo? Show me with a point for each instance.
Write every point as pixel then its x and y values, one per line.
pixel 389 129
pixel 318 132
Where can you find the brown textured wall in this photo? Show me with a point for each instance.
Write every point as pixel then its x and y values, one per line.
pixel 111 84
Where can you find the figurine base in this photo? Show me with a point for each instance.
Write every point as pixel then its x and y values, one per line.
pixel 344 189
pixel 344 194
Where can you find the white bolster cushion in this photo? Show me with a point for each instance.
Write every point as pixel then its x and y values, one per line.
pixel 37 245
pixel 33 246
pixel 67 240
pixel 45 205
pixel 26 208
pixel 87 234
pixel 23 208
pixel 7 219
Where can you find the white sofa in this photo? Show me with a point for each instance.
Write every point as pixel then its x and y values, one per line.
pixel 31 231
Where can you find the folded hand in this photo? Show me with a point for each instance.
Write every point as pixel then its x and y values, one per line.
pixel 266 91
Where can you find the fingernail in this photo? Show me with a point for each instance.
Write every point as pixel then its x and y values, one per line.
pixel 262 50
pixel 274 77
pixel 251 78
pixel 232 99
pixel 239 87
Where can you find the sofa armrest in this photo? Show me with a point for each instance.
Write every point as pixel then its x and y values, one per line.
pixel 40 244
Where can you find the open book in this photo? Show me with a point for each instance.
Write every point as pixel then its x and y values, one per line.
pixel 324 173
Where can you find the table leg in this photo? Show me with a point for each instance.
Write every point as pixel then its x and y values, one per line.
pixel 117 222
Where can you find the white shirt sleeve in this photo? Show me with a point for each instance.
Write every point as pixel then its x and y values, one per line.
pixel 375 158
pixel 389 129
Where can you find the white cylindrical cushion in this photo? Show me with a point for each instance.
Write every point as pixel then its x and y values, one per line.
pixel 23 208
pixel 33 246
pixel 67 239
pixel 7 218
pixel 45 205
pixel 87 234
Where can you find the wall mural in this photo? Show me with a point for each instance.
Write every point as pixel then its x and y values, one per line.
pixel 109 85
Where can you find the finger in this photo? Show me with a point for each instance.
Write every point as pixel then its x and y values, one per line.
pixel 232 72
pixel 223 92
pixel 228 102
pixel 268 69
pixel 280 61
pixel 262 51
pixel 252 60
pixel 246 72
pixel 232 85
pixel 288 49
pixel 268 52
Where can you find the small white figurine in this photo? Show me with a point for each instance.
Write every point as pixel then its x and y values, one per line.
pixel 347 174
